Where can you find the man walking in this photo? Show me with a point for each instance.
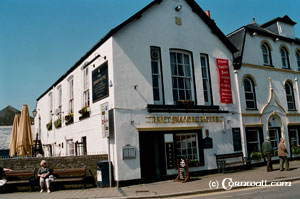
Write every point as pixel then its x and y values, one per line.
pixel 282 153
pixel 267 150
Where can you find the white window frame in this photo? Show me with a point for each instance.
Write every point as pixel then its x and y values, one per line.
pixel 206 80
pixel 86 90
pixel 252 92
pixel 297 138
pixel 50 106
pixel 176 77
pixel 71 94
pixel 59 100
pixel 266 54
pixel 156 60
pixel 186 145
pixel 298 59
pixel 284 58
pixel 70 147
pixel 291 95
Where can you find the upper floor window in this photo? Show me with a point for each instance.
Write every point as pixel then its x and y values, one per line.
pixel 59 90
pixel 71 95
pixel 156 75
pixel 290 96
pixel 266 54
pixel 86 91
pixel 50 106
pixel 206 80
pixel 284 58
pixel 182 81
pixel 298 59
pixel 249 93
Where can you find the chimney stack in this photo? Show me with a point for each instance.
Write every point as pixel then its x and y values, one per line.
pixel 253 22
pixel 207 13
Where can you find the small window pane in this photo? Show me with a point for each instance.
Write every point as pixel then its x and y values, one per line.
pixel 180 83
pixel 186 60
pixel 155 81
pixel 155 67
pixel 181 94
pixel 179 58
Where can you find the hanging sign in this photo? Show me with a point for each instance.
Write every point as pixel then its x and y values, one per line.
pixel 104 120
pixel 224 81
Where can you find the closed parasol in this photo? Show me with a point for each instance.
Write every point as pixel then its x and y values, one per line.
pixel 13 137
pixel 24 135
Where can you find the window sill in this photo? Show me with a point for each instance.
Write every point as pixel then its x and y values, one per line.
pixel 268 65
pixel 152 108
pixel 251 109
pixel 293 110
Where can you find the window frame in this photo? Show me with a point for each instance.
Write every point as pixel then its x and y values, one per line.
pixel 268 54
pixel 191 77
pixel 209 102
pixel 290 86
pixel 59 100
pixel 71 94
pixel 187 147
pixel 252 86
pixel 298 59
pixel 50 105
pixel 86 90
pixel 284 58
pixel 159 75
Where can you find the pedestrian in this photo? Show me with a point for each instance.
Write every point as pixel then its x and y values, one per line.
pixel 2 174
pixel 44 173
pixel 282 153
pixel 267 150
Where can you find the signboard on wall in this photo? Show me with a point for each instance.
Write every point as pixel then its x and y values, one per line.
pixel 104 120
pixel 237 140
pixel 100 82
pixel 224 81
pixel 170 155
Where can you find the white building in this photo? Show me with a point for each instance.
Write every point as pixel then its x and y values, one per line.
pixel 157 75
pixel 267 70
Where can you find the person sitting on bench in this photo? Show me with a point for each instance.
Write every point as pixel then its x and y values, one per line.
pixel 44 173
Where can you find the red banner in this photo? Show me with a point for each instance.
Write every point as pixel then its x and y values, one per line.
pixel 224 81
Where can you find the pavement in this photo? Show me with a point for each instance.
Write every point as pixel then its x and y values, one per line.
pixel 170 189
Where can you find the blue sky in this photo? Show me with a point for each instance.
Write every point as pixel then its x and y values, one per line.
pixel 41 39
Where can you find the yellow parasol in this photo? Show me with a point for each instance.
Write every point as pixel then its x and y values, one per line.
pixel 13 137
pixel 24 137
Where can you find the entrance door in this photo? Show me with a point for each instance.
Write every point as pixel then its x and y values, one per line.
pixel 152 153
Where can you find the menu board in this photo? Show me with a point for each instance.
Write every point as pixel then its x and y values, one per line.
pixel 236 135
pixel 100 82
pixel 170 155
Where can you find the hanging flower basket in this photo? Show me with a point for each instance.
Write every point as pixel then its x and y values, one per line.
pixel 256 156
pixel 69 118
pixel 85 112
pixel 57 123
pixel 296 150
pixel 49 126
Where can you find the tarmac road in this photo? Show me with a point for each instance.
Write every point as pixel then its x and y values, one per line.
pixel 292 192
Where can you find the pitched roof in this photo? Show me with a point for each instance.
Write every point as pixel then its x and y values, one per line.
pixel 195 7
pixel 285 19
pixel 237 37
pixel 7 115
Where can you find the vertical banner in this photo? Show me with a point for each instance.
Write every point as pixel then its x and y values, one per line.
pixel 224 81
pixel 104 120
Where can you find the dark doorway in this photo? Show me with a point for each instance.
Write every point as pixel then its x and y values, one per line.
pixel 152 155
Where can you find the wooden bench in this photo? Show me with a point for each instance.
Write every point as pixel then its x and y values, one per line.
pixel 70 176
pixel 238 159
pixel 21 177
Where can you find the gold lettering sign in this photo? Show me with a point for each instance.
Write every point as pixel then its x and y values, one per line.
pixel 183 119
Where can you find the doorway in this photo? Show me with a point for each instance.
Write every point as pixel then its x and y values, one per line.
pixel 152 156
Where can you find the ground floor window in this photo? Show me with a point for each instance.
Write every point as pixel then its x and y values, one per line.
pixel 254 140
pixel 70 148
pixel 294 140
pixel 186 146
pixel 274 134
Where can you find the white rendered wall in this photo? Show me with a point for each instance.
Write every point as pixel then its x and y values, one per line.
pixel 132 67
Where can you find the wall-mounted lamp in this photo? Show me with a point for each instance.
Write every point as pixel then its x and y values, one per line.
pixel 97 55
pixel 178 8
pixel 277 39
pixel 34 112
pixel 254 34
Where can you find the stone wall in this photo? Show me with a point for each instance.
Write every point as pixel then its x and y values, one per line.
pixel 55 162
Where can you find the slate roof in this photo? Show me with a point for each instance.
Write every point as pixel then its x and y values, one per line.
pixel 7 116
pixel 195 7
pixel 237 37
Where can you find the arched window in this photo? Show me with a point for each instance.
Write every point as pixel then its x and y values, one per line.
pixel 290 96
pixel 266 54
pixel 284 58
pixel 298 59
pixel 249 93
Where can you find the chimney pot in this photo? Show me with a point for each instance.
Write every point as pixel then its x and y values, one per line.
pixel 253 22
pixel 207 13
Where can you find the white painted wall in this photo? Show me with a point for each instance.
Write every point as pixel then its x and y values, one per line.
pixel 132 66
